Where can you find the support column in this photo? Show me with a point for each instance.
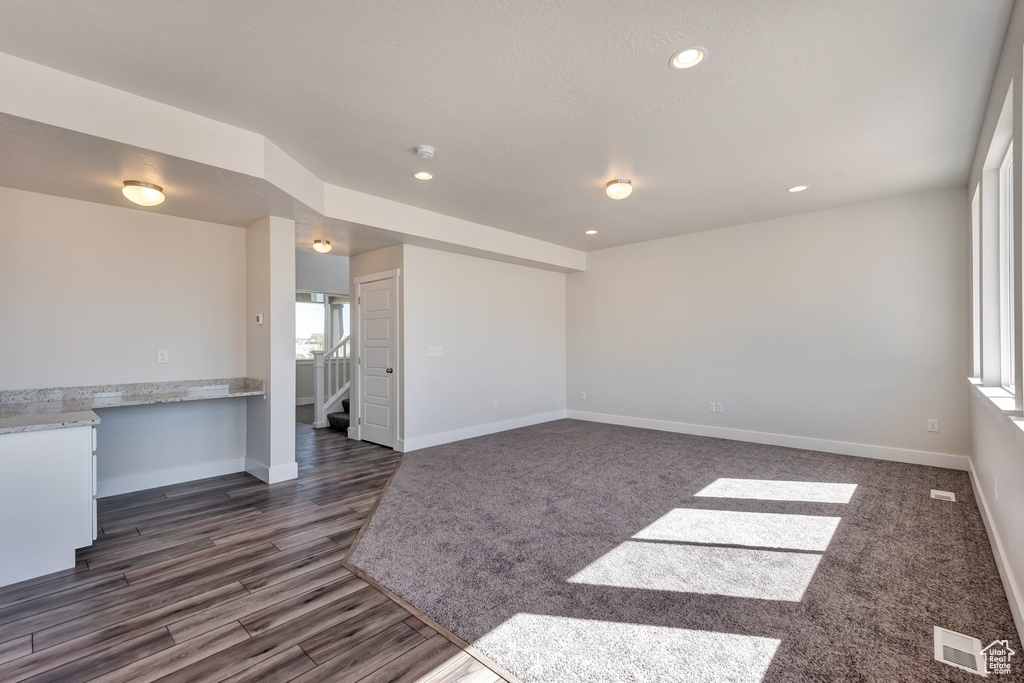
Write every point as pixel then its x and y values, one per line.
pixel 270 348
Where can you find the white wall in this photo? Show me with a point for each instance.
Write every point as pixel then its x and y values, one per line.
pixel 270 287
pixel 140 447
pixel 998 448
pixel 848 325
pixel 321 273
pixel 999 474
pixel 502 331
pixel 305 383
pixel 90 292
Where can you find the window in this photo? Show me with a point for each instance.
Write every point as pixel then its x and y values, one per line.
pixel 321 320
pixel 976 283
pixel 1006 275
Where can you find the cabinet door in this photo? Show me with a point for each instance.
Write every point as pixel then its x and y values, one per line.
pixel 95 520
pixel 45 501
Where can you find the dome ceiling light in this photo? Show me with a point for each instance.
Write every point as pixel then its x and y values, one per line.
pixel 143 194
pixel 620 188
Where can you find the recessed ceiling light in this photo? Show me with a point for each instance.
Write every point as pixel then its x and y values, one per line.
pixel 143 194
pixel 797 188
pixel 322 246
pixel 590 232
pixel 691 56
pixel 423 175
pixel 620 188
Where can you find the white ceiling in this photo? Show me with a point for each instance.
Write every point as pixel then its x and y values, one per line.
pixel 534 104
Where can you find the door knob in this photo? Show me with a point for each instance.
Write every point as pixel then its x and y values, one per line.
pixel 389 370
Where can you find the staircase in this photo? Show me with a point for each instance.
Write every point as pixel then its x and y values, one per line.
pixel 333 379
pixel 339 421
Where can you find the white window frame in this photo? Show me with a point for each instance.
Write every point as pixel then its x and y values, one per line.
pixel 332 325
pixel 1007 351
pixel 976 316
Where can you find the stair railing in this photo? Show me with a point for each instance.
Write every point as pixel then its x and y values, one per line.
pixel 333 377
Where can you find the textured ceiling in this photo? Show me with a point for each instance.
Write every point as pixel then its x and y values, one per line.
pixel 534 104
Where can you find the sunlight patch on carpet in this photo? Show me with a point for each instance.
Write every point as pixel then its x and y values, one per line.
pixel 726 527
pixel 734 572
pixel 626 653
pixel 769 489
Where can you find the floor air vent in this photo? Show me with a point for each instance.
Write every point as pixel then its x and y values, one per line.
pixel 959 650
pixel 944 495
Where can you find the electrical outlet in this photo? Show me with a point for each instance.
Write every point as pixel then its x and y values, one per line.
pixel 718 408
pixel 711 406
pixel 435 351
pixel 933 425
pixel 495 404
pixel 161 356
pixel 583 395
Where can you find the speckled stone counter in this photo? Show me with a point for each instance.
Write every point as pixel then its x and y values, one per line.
pixel 30 410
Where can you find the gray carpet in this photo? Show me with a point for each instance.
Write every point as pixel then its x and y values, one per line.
pixel 305 414
pixel 574 551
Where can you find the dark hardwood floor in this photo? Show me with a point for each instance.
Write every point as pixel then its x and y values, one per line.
pixel 229 579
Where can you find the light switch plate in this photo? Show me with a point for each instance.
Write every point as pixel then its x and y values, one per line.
pixel 435 351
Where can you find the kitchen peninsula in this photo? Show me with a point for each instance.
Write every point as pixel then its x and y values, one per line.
pixel 48 447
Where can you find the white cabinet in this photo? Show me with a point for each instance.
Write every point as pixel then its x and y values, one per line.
pixel 47 503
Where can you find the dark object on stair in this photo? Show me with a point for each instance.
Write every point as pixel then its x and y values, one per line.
pixel 340 421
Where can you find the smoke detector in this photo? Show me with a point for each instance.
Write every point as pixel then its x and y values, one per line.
pixel 425 151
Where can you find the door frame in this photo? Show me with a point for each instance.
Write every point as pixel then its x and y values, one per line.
pixel 356 395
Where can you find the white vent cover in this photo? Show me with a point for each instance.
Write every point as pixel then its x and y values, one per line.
pixel 959 650
pixel 944 495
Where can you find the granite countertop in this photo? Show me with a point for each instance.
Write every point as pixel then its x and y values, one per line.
pixel 30 410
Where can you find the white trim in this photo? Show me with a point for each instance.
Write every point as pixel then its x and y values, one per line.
pixel 305 401
pixel 439 438
pixel 955 462
pixel 174 475
pixel 1013 592
pixel 272 475
pixel 374 277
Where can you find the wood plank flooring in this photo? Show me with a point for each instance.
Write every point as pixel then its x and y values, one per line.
pixel 229 579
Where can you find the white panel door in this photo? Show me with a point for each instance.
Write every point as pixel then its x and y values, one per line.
pixel 378 332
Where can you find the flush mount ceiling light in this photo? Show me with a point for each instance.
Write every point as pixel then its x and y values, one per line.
pixel 423 175
pixel 322 246
pixel 143 194
pixel 590 232
pixel 797 188
pixel 620 188
pixel 691 56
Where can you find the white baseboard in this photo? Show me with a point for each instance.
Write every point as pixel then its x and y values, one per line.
pixel 1013 592
pixel 305 401
pixel 272 475
pixel 954 462
pixel 418 442
pixel 175 475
